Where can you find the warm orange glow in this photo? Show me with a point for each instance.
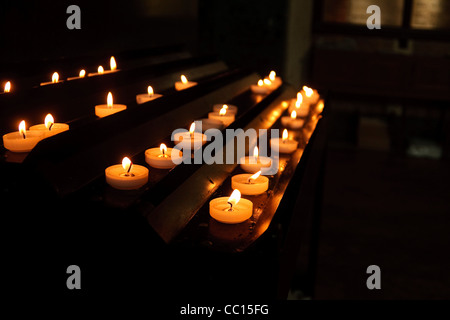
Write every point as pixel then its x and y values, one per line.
pixel 293 114
pixel 184 79
pixel 298 103
pixel 163 148
pixel 235 197
pixel 127 164
pixel 284 104
pixel 254 177
pixel 272 76
pixel 82 73
pixel 109 100
pixel 112 63
pixel 100 69
pixel 192 128
pixel 267 82
pixel 223 111
pixel 8 86
pixel 49 121
pixel 260 83
pixel 285 134
pixel 55 77
pixel 225 106
pixel 22 129
pixel 320 106
pixel 150 91
pixel 308 91
pixel 255 152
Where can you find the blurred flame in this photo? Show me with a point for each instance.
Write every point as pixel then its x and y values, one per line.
pixel 255 176
pixel 150 90
pixel 127 164
pixel 223 111
pixel 82 73
pixel 100 69
pixel 163 148
pixel 298 103
pixel 260 83
pixel 49 121
pixel 109 100
pixel 285 134
pixel 308 91
pixel 192 128
pixel 235 197
pixel 184 79
pixel 22 128
pixel 255 152
pixel 267 82
pixel 55 77
pixel 320 106
pixel 272 76
pixel 225 106
pixel 299 97
pixel 293 114
pixel 8 86
pixel 112 63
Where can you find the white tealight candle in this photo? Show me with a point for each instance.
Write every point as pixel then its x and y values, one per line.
pixel 49 127
pixel 190 140
pixel 231 210
pixel 23 140
pixel 81 75
pixel 231 109
pixel 223 116
pixel 184 83
pixel 292 122
pixel 104 110
pixel 250 184
pixel 126 176
pixel 283 145
pixel 263 87
pixel 55 79
pixel 255 163
pixel 162 157
pixel 149 96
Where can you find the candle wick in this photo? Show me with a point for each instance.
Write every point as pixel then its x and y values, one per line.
pixel 250 181
pixel 231 206
pixel 50 127
pixel 23 134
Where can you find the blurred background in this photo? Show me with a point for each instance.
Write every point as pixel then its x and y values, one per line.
pixel 387 97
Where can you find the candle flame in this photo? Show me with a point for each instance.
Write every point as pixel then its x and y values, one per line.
pixel 255 152
pixel 163 148
pixel 109 100
pixel 49 121
pixel 308 91
pixel 127 164
pixel 55 77
pixel 22 128
pixel 8 86
pixel 255 176
pixel 112 63
pixel 225 106
pixel 100 69
pixel 320 106
pixel 192 128
pixel 260 83
pixel 293 114
pixel 285 134
pixel 298 103
pixel 184 79
pixel 150 90
pixel 272 76
pixel 235 197
pixel 223 111
pixel 82 73
pixel 267 82
pixel 299 97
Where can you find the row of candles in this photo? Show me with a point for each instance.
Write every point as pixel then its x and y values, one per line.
pixel 129 176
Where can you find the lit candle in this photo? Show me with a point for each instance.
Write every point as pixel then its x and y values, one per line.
pixel 81 75
pixel 231 109
pixel 104 110
pixel 55 79
pixel 284 145
pixel 231 210
pixel 300 106
pixel 7 87
pixel 184 83
pixel 275 81
pixel 255 163
pixel 292 122
pixel 250 184
pixel 211 124
pixel 311 95
pixel 126 176
pixel 222 115
pixel 162 157
pixel 190 140
pixel 149 96
pixel 263 87
pixel 49 127
pixel 23 140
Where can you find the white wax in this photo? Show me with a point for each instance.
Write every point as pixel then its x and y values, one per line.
pixel 292 123
pixel 253 165
pixel 219 210
pixel 15 142
pixel 260 89
pixel 182 86
pixel 227 119
pixel 102 110
pixel 55 129
pixel 116 178
pixel 286 146
pixel 257 186
pixel 187 141
pixel 145 97
pixel 155 158
pixel 232 109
